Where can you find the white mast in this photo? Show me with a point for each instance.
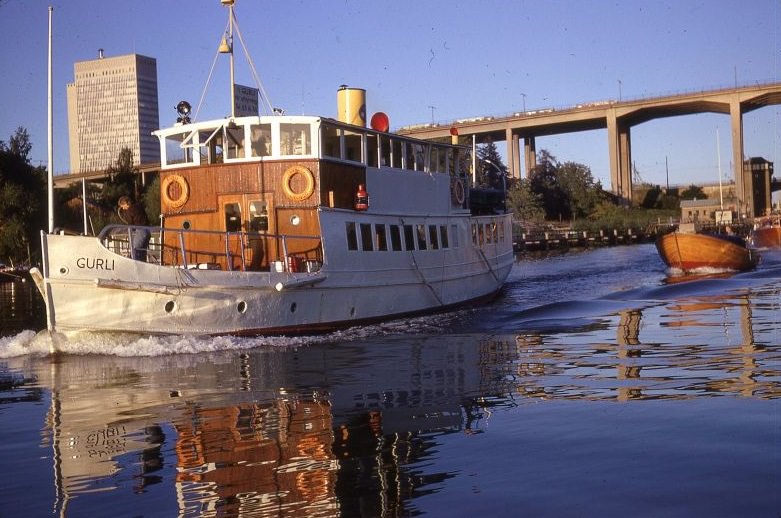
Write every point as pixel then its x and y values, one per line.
pixel 50 167
pixel 226 47
pixel 718 152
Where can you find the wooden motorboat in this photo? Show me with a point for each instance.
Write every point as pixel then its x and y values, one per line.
pixel 766 233
pixel 689 250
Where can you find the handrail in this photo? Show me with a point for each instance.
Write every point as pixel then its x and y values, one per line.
pixel 220 247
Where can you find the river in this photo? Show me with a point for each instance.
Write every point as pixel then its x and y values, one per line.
pixel 594 385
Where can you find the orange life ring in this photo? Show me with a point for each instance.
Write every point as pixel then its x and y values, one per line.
pixel 184 191
pixel 458 191
pixel 309 187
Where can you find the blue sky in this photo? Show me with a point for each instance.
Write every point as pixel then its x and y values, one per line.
pixel 424 60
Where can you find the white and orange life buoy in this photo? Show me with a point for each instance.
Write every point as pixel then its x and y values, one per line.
pixel 458 191
pixel 181 191
pixel 309 183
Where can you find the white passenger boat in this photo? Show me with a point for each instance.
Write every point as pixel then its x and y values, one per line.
pixel 284 225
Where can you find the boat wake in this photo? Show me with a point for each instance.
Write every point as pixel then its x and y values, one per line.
pixel 39 343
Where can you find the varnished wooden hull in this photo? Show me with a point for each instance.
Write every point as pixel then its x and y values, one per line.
pixel 766 237
pixel 689 252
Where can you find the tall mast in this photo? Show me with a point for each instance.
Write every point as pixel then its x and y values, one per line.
pixel 226 47
pixel 50 168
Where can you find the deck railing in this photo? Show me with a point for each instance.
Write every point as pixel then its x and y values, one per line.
pixel 216 250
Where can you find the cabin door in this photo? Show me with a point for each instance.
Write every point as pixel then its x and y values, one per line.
pixel 250 216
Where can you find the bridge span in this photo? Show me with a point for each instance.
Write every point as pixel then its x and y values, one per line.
pixel 618 117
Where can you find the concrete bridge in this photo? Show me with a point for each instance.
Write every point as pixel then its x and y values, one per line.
pixel 618 117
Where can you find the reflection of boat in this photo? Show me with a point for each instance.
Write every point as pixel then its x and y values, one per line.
pixel 687 250
pixel 268 228
pixel 766 233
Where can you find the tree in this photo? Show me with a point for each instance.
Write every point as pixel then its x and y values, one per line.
pixel 694 192
pixel 567 190
pixel 525 204
pixel 22 199
pixel 490 167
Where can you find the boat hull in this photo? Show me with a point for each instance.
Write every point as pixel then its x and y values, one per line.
pixel 98 290
pixel 693 251
pixel 766 237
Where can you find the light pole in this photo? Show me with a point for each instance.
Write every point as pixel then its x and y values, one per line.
pixel 619 89
pixel 523 95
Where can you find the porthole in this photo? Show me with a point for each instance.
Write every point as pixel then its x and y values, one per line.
pixel 241 307
pixel 186 224
pixel 170 306
pixel 295 220
pixel 63 270
pixel 293 307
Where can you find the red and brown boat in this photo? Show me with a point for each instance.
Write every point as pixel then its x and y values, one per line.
pixel 767 233
pixel 688 250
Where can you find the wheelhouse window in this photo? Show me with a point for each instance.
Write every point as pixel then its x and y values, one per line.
pixel 353 144
pixel 295 139
pixel 179 148
pixel 409 238
pixel 234 142
pixel 330 136
pixel 260 139
pixel 371 150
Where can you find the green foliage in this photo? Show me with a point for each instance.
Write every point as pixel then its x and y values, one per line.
pixel 525 204
pixel 693 193
pixel 567 190
pixel 151 201
pixel 22 199
pixel 490 167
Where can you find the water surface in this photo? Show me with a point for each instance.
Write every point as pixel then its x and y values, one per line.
pixel 593 386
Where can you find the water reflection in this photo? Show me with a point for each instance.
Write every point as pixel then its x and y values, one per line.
pixel 346 429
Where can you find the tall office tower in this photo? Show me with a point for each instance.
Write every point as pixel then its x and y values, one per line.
pixel 112 104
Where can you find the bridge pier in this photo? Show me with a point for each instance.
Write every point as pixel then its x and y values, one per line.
pixel 736 125
pixel 620 151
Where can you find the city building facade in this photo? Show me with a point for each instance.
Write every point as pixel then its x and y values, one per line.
pixel 112 104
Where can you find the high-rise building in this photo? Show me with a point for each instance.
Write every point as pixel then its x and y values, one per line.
pixel 112 104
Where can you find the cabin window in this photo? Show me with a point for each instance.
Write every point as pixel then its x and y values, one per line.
pixel 353 142
pixel 418 157
pixel 474 234
pixel 211 145
pixel 178 150
pixel 489 233
pixel 352 236
pixel 421 231
pixel 443 236
pixel 409 238
pixel 500 228
pixel 371 150
pixel 258 216
pixel 395 237
pixel 433 238
pixel 381 237
pixel 433 159
pixel 385 151
pixel 232 217
pixel 294 139
pixel 234 141
pixel 367 244
pixel 330 139
pixel 396 154
pixel 454 235
pixel 260 139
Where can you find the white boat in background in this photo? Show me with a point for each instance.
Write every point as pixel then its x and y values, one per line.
pixel 287 224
